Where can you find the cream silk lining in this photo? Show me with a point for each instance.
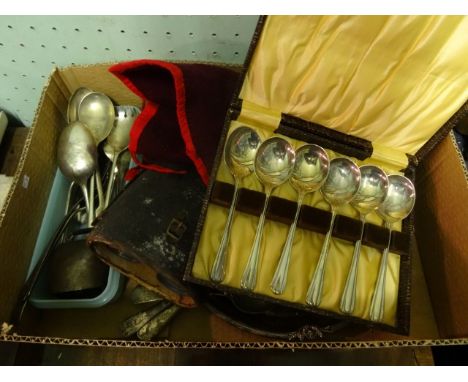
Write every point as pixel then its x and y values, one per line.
pixel 393 80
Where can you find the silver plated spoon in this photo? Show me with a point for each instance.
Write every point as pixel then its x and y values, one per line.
pixel 118 140
pixel 397 205
pixel 96 110
pixel 273 166
pixel 77 157
pixel 309 173
pixel 372 191
pixel 239 155
pixel 74 103
pixel 340 187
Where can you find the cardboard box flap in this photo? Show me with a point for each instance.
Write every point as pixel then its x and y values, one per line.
pixel 392 80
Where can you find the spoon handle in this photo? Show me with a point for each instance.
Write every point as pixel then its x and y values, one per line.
pixel 278 283
pixel 110 182
pixel 249 278
pixel 88 207
pixel 218 271
pixel 69 194
pixel 348 298
pixel 314 293
pixel 91 212
pixel 99 187
pixel 378 299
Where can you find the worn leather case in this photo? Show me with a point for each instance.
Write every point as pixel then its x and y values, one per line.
pixel 148 231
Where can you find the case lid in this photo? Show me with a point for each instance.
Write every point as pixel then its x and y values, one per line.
pixel 392 80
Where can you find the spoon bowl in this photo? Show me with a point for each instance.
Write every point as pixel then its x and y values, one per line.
pixel 309 173
pixel 399 201
pixel 397 205
pixel 310 169
pixel 372 191
pixel 239 155
pixel 77 156
pixel 118 140
pixel 241 147
pixel 342 182
pixel 74 103
pixel 340 187
pixel 274 162
pixel 119 137
pixel 273 166
pixel 96 110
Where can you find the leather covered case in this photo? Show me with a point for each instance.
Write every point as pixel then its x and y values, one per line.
pixel 147 232
pixel 382 90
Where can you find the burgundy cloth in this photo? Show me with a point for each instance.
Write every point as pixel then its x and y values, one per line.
pixel 184 110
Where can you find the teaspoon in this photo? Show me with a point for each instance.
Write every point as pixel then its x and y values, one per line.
pixel 239 155
pixel 397 205
pixel 340 187
pixel 309 173
pixel 372 191
pixel 274 163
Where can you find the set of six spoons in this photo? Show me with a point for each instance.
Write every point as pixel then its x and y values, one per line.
pixel 340 181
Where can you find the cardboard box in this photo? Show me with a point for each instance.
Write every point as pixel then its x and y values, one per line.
pixel 435 319
pixel 12 149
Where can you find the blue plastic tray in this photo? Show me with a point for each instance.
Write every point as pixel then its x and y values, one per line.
pixel 40 297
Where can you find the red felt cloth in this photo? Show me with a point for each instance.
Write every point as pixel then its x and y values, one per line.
pixel 184 110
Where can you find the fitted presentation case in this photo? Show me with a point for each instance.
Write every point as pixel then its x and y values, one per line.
pixel 439 266
pixel 382 90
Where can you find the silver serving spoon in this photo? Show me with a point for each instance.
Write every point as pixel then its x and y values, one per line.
pixel 372 191
pixel 77 157
pixel 309 173
pixel 397 205
pixel 74 103
pixel 118 140
pixel 96 110
pixel 239 155
pixel 340 187
pixel 274 163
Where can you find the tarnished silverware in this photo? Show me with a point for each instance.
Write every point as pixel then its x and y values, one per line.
pixel 137 322
pixel 397 205
pixel 154 327
pixel 340 187
pixel 142 295
pixel 96 110
pixel 118 140
pixel 309 173
pixel 77 158
pixel 274 163
pixel 239 155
